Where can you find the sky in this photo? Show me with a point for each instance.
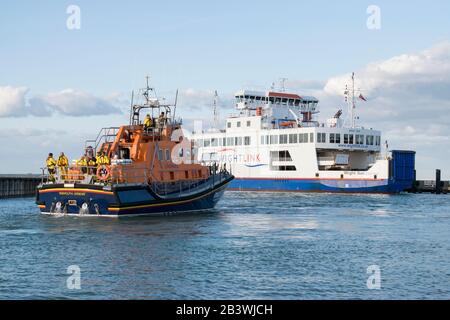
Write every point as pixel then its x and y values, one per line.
pixel 59 84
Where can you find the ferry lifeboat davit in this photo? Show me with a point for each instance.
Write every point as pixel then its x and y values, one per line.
pixel 152 171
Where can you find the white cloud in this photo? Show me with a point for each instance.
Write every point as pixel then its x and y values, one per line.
pixel 12 101
pixel 70 102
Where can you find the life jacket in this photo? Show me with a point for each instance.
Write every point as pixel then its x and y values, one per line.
pixel 103 160
pixel 63 161
pixel 82 162
pixel 51 163
pixel 147 122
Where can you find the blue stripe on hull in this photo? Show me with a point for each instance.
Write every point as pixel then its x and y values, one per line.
pixel 355 186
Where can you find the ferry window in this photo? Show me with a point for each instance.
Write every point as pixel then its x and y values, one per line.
pixel 167 155
pixel 305 138
pixel 214 142
pixel 262 139
pixel 230 141
pixel 238 141
pixel 331 137
pixel 258 98
pixel 247 141
pixel 284 100
pixel 229 124
pixel 273 139
pixel 206 142
pixel 160 154
pixel 321 137
pixel 277 100
pixel 238 124
pixel 348 138
pixel 337 138
pixel 359 139
pixel 271 99
pixel 248 123
pixel 291 102
pixel 283 138
pixel 311 137
pixel 300 138
pixel 297 102
pixel 292 138
pixel 224 142
pixel 369 140
pixel 378 140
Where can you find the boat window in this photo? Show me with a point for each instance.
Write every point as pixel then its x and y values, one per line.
pixel 369 140
pixel 300 137
pixel 378 140
pixel 297 102
pixel 258 98
pixel 238 124
pixel 224 142
pixel 348 138
pixel 230 141
pixel 262 139
pixel 238 141
pixel 214 142
pixel 321 137
pixel 331 137
pixel 284 100
pixel 229 124
pixel 311 137
pixel 292 138
pixel 160 154
pixel 337 138
pixel 274 139
pixel 283 138
pixel 167 154
pixel 305 138
pixel 247 141
pixel 272 100
pixel 248 123
pixel 206 142
pixel 277 100
pixel 359 139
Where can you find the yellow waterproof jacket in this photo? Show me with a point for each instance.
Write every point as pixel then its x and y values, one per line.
pixel 147 122
pixel 63 161
pixel 51 163
pixel 82 162
pixel 103 160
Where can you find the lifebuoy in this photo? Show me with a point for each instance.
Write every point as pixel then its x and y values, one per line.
pixel 103 172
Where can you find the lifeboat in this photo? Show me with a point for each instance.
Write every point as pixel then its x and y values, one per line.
pixel 150 169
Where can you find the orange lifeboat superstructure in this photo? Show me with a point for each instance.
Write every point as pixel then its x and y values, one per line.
pixel 151 169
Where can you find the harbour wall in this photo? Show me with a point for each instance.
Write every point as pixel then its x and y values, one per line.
pixel 13 185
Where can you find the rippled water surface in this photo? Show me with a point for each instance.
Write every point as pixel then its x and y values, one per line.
pixel 253 246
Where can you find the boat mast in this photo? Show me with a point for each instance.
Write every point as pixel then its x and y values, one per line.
pixel 215 110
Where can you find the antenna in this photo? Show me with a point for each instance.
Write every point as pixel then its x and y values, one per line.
pixel 282 82
pixel 215 110
pixel 131 107
pixel 175 106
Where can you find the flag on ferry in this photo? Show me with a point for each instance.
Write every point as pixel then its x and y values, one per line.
pixel 362 97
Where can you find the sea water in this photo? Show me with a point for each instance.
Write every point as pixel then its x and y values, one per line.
pixel 252 246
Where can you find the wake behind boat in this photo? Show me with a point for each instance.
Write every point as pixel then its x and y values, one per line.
pixel 152 171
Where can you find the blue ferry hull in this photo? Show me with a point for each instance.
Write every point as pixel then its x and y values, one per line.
pixel 312 185
pixel 401 173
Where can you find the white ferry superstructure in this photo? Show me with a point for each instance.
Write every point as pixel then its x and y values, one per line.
pixel 276 143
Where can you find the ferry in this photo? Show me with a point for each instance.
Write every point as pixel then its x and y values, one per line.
pixel 152 171
pixel 276 143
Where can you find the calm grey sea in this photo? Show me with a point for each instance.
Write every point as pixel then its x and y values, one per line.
pixel 253 246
